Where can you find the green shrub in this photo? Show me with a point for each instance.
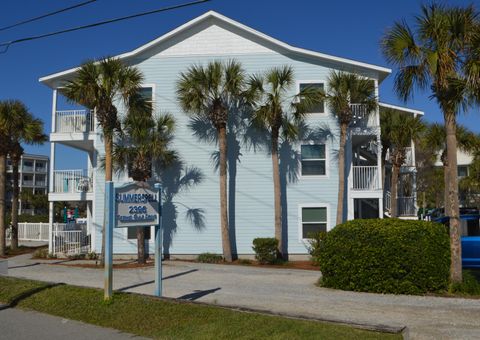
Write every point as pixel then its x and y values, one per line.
pixel 265 249
pixel 209 258
pixel 27 218
pixel 92 256
pixel 40 253
pixel 386 256
pixel 76 256
pixel 314 244
pixel 469 286
pixel 244 261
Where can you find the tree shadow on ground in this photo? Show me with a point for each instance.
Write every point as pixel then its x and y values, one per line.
pixel 197 294
pixel 25 295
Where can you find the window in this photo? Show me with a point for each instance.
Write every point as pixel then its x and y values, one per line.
pixel 147 93
pixel 319 107
pixel 132 233
pixel 462 171
pixel 313 160
pixel 314 220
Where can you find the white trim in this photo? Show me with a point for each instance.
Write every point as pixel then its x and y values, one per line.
pixel 214 15
pixel 401 108
pixel 327 160
pixel 313 81
pixel 300 222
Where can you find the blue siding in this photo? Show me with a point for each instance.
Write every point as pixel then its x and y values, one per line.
pixel 254 213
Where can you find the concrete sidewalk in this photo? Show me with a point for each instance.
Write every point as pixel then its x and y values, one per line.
pixel 286 291
pixel 25 325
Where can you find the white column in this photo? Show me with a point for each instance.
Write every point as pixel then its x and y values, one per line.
pixel 51 215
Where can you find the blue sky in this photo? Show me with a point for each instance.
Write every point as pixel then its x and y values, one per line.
pixel 350 29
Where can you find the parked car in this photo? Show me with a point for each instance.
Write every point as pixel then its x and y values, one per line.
pixel 470 234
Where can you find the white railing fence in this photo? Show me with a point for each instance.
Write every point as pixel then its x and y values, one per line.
pixel 71 181
pixel 365 178
pixel 387 200
pixel 359 111
pixel 31 231
pixel 406 206
pixel 74 121
pixel 70 239
pixel 408 156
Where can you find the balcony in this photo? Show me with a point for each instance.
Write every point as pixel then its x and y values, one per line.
pixel 27 168
pixel 365 178
pixel 74 128
pixel 361 117
pixel 27 183
pixel 74 121
pixel 408 162
pixel 41 169
pixel 72 181
pixel 405 205
pixel 40 183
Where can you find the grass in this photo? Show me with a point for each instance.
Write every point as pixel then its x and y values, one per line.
pixel 19 251
pixel 166 319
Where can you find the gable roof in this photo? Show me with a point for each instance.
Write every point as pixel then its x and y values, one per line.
pixel 401 108
pixel 382 71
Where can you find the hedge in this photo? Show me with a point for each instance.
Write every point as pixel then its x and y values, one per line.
pixel 386 256
pixel 265 249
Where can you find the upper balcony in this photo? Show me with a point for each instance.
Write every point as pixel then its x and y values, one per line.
pixel 74 128
pixel 362 118
pixel 71 185
pixel 409 159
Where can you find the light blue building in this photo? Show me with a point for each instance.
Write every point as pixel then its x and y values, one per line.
pixel 191 216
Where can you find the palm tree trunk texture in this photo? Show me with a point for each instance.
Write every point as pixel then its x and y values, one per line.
pixel 108 177
pixel 277 195
pixel 446 179
pixel 453 206
pixel 394 191
pixel 222 141
pixel 2 204
pixel 141 245
pixel 341 173
pixel 15 194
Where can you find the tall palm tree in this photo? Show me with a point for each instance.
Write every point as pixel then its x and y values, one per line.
pixel 278 114
pixel 146 142
pixel 209 92
pixel 400 130
pixel 435 138
pixel 440 55
pixel 345 89
pixel 102 85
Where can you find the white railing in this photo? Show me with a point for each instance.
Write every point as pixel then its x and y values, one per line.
pixel 40 183
pixel 70 239
pixel 359 111
pixel 74 121
pixel 26 168
pixel 29 183
pixel 365 178
pixel 406 206
pixel 408 156
pixel 40 169
pixel 71 181
pixel 32 231
pixel 387 200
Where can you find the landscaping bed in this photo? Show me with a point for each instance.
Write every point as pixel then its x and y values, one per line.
pixel 166 318
pixel 20 251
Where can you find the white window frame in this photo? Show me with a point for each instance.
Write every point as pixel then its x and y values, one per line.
pixel 314 114
pixel 153 87
pixel 300 222
pixel 327 160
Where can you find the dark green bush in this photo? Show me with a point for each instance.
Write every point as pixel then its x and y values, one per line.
pixel 209 258
pixel 469 286
pixel 265 249
pixel 315 241
pixel 386 256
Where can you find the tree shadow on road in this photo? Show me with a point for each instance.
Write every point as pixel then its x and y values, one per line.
pixel 197 294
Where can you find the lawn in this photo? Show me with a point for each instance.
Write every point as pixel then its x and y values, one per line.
pixel 166 319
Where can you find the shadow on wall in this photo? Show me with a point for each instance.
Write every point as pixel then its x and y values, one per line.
pixel 175 179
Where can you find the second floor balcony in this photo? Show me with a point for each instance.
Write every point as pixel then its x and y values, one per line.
pixel 75 185
pixel 74 128
pixel 366 178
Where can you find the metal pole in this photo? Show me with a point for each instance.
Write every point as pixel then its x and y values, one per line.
pixel 158 245
pixel 110 211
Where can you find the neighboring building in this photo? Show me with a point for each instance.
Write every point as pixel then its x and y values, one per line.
pixel 309 168
pixel 33 177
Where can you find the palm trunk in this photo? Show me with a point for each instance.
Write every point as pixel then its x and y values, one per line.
pixel 108 177
pixel 453 207
pixel 222 141
pixel 277 195
pixel 446 181
pixel 141 245
pixel 15 194
pixel 2 204
pixel 394 190
pixel 341 173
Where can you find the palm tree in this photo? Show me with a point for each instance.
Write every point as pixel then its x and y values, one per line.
pixel 278 114
pixel 440 54
pixel 435 138
pixel 98 85
pixel 400 130
pixel 345 89
pixel 209 92
pixel 145 142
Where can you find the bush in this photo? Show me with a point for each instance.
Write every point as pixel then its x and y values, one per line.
pixel 265 249
pixel 209 258
pixel 92 256
pixel 386 256
pixel 315 242
pixel 40 253
pixel 469 286
pixel 76 256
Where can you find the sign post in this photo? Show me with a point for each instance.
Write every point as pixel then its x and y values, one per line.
pixel 133 204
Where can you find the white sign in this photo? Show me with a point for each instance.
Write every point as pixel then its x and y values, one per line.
pixel 136 205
